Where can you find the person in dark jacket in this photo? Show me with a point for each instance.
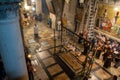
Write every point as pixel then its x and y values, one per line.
pixel 107 62
pixel 80 38
pixel 86 47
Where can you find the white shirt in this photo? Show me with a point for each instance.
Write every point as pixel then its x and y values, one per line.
pixel 35 30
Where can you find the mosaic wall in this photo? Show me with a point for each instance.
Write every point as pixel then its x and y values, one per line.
pixel 111 11
pixel 109 18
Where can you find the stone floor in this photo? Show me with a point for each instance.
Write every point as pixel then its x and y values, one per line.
pixel 45 65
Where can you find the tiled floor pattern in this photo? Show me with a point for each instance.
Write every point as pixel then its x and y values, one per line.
pixel 93 77
pixel 62 76
pixel 39 72
pixel 53 70
pixel 104 75
pixel 49 61
pixel 95 66
pixel 46 66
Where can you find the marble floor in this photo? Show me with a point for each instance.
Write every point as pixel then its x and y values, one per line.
pixel 45 65
pixel 50 67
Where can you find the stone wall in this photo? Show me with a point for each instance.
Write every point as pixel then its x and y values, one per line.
pixel 69 13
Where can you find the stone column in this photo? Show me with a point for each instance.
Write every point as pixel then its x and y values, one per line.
pixel 69 10
pixel 38 7
pixel 106 1
pixel 11 46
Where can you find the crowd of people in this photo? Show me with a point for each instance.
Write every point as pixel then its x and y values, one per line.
pixel 101 45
